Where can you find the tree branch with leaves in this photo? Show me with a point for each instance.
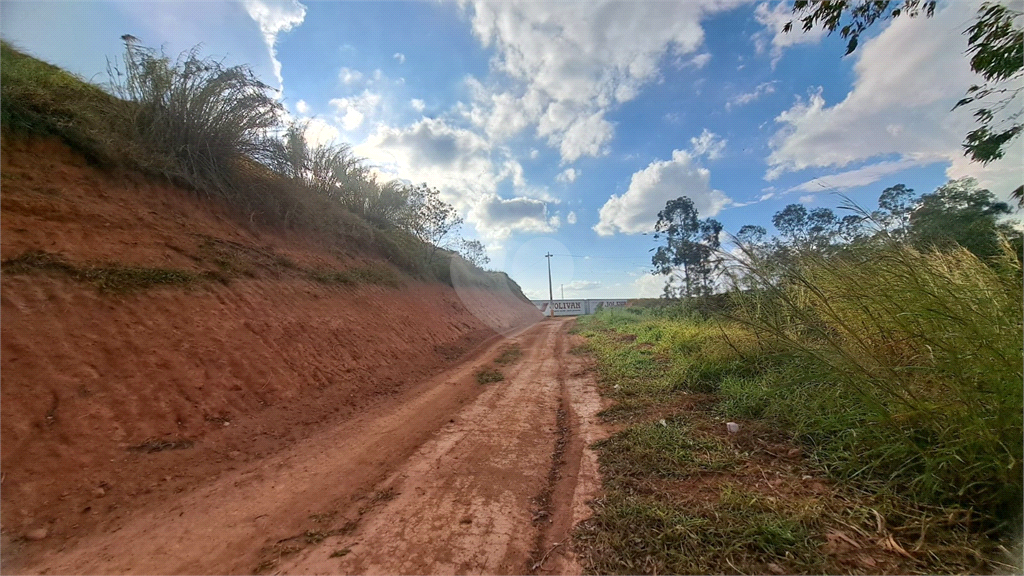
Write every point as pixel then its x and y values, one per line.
pixel 995 42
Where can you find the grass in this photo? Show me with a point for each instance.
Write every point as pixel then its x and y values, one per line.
pixel 677 487
pixel 651 534
pixel 200 119
pixel 106 278
pixel 40 99
pixel 372 274
pixel 489 376
pixel 509 355
pixel 666 448
pixel 906 371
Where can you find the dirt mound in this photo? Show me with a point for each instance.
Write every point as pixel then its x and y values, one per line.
pixel 228 343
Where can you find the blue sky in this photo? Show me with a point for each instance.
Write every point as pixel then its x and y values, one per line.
pixel 565 127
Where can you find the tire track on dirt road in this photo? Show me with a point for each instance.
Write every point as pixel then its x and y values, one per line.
pixel 484 495
pixel 442 480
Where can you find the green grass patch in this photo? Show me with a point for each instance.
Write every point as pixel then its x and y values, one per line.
pixel 884 473
pixel 667 448
pixel 373 274
pixel 651 534
pixel 509 354
pixel 40 99
pixel 489 375
pixel 106 278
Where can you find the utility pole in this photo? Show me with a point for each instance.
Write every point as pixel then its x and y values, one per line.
pixel 551 292
pixel 562 286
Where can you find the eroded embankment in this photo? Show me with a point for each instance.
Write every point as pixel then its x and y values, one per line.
pixel 250 349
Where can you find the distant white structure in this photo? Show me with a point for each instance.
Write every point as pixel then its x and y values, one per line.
pixel 576 307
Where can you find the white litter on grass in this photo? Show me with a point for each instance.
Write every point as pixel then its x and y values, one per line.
pixel 732 427
pixel 662 422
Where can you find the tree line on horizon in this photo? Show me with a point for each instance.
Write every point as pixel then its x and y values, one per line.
pixel 958 213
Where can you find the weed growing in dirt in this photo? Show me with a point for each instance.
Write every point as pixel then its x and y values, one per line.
pixel 106 278
pixel 373 274
pixel 340 553
pixel 285 262
pixel 198 116
pixel 153 445
pixel 509 354
pixel 489 375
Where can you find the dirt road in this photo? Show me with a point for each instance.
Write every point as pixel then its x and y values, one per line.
pixel 450 477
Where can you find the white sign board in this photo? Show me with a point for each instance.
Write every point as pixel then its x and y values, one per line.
pixel 577 307
pixel 562 307
pixel 593 305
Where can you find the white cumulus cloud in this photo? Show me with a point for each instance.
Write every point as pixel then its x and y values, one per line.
pixel 349 76
pixel 854 178
pixel 571 218
pixel 499 217
pixel 699 61
pixel 649 286
pixel 351 111
pixel 708 144
pixel 773 16
pixel 568 175
pixel 637 210
pixel 400 57
pixel 318 132
pixel 572 62
pixel 583 285
pixel 467 169
pixel 417 104
pixel 897 106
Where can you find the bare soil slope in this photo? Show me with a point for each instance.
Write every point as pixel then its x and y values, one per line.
pixel 115 401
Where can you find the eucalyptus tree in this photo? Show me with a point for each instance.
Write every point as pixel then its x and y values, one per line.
pixel 690 250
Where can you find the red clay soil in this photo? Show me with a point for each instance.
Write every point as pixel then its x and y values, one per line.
pixel 447 477
pixel 112 404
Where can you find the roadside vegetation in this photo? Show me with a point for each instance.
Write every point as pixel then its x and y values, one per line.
pixel 105 277
pixel 509 354
pixel 877 354
pixel 489 376
pixel 219 131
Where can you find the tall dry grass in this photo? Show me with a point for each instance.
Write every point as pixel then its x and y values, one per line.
pixel 917 354
pixel 196 118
